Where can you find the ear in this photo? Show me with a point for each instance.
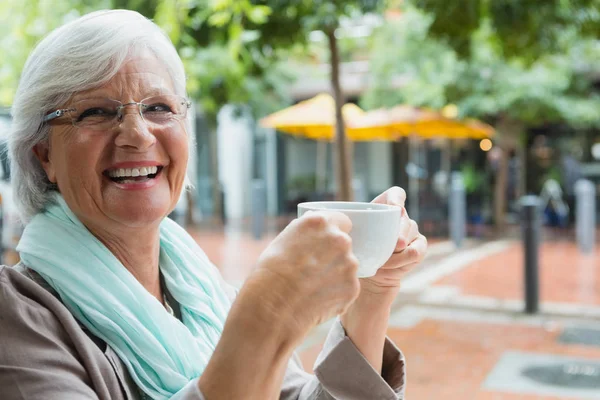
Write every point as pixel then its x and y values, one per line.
pixel 42 152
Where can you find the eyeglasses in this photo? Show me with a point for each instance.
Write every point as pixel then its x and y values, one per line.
pixel 103 113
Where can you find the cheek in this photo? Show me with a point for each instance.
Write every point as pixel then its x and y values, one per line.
pixel 177 147
pixel 77 161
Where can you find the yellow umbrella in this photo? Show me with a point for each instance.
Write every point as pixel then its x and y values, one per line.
pixel 371 125
pixel 480 130
pixel 315 119
pixel 407 120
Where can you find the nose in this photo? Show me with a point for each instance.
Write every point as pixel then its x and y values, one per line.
pixel 133 132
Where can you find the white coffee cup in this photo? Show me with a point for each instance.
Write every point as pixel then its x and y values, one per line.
pixel 375 230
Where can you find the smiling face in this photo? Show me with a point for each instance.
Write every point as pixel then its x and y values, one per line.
pixel 94 169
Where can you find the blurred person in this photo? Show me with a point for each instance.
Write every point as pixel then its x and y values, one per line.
pixel 112 300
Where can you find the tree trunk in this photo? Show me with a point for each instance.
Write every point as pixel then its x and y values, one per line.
pixel 343 160
pixel 508 133
pixel 500 190
pixel 522 154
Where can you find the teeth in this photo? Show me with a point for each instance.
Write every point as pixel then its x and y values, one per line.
pixel 132 172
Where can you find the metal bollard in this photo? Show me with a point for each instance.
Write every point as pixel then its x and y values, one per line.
pixel 458 210
pixel 259 207
pixel 585 215
pixel 531 224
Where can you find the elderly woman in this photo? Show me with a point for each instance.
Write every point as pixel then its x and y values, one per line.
pixel 112 300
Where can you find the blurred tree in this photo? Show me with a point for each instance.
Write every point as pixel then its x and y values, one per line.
pixel 22 25
pixel 523 29
pixel 407 66
pixel 488 80
pixel 291 22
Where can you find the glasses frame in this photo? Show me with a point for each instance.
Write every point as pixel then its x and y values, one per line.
pixel 63 111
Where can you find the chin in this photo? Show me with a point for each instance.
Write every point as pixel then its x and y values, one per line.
pixel 140 217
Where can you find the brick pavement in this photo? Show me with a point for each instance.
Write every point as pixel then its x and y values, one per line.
pixel 233 252
pixel 566 276
pixel 450 355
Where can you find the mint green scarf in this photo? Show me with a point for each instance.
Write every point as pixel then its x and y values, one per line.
pixel 161 353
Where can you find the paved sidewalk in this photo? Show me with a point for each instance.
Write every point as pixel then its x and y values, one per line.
pixel 566 275
pixel 234 252
pixel 452 355
pixel 460 323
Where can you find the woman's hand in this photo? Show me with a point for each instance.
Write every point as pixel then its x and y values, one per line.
pixel 366 320
pixel 308 273
pixel 410 250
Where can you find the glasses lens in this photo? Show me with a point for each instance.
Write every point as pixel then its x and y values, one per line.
pixel 95 113
pixel 164 109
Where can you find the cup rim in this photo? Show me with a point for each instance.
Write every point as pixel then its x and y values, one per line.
pixel 377 207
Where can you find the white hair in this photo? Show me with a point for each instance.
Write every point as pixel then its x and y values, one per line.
pixel 80 55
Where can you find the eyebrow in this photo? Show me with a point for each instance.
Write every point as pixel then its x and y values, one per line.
pixel 153 91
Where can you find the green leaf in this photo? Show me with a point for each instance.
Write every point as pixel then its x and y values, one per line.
pixel 220 18
pixel 258 14
pixel 219 5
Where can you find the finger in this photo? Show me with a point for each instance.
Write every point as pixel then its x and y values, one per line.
pixel 392 273
pixel 335 218
pixel 413 231
pixel 395 196
pixel 414 253
pixel 403 237
pixel 347 262
pixel 339 220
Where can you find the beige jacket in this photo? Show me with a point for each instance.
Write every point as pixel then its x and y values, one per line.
pixel 46 354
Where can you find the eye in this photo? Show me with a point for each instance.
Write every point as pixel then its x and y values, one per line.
pixel 96 112
pixel 157 108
